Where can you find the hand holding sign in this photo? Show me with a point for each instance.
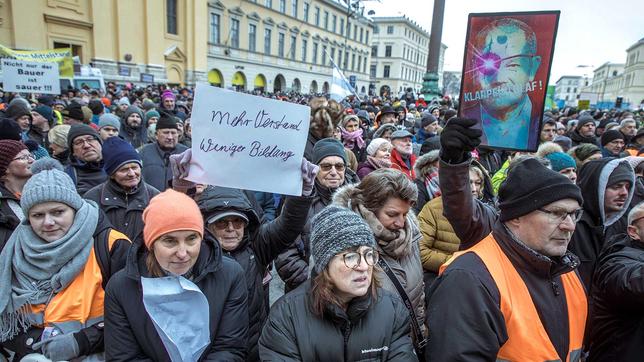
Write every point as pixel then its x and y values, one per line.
pixel 247 142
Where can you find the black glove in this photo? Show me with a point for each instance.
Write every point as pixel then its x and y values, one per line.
pixel 458 139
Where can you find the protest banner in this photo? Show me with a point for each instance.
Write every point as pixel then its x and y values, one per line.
pixel 61 56
pixel 247 142
pixel 506 68
pixel 30 77
pixel 583 104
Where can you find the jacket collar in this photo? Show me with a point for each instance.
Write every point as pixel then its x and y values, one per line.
pixel 113 195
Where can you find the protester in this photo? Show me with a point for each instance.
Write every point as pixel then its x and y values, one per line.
pixel 385 131
pixel 73 114
pixel 41 123
pixel 616 325
pixel 584 131
pixel 384 200
pixel 156 156
pixel 402 156
pixel 585 153
pixel 428 128
pixel 54 268
pixel 378 156
pixel 15 170
pixel 124 195
pixel 612 143
pixel 352 137
pixel 57 138
pixel 342 314
pixel 325 118
pixel 426 168
pixel 109 125
pixel 132 129
pixel 548 130
pixel 518 255
pixel 177 259
pixel 86 158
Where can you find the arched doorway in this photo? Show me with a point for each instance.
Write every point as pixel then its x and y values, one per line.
pixel 363 90
pixel 260 83
pixel 314 87
pixel 215 78
pixel 325 88
pixel 296 86
pixel 175 75
pixel 385 90
pixel 239 81
pixel 279 84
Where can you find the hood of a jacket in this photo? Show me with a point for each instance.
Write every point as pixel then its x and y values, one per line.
pixel 208 261
pixel 593 180
pixel 87 166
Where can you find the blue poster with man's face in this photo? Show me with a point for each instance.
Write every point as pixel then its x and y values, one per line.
pixel 505 75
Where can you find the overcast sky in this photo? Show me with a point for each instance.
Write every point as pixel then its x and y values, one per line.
pixel 591 32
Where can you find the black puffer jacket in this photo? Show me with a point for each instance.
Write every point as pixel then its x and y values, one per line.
pixel 617 328
pixel 85 174
pixel 370 330
pixel 129 332
pixel 261 244
pixel 124 210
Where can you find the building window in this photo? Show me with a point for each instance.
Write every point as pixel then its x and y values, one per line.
pixel 364 65
pixel 334 23
pixel 346 59
pixel 323 60
pixel 348 29
pixel 280 45
pixel 252 37
pixel 568 90
pixel 361 34
pixel 306 11
pixel 171 16
pixel 283 6
pixel 333 54
pixel 268 3
pixel 267 41
pixel 353 61
pixel 338 60
pixel 387 50
pixel 372 70
pixel 390 29
pixel 294 8
pixel 292 50
pixel 341 26
pixel 374 51
pixel 359 62
pixel 376 29
pixel 366 38
pixel 304 49
pixel 355 32
pixel 214 28
pixel 317 16
pixel 234 33
pixel 315 53
pixel 326 20
pixel 385 72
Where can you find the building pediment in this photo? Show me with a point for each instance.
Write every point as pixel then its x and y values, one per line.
pixel 174 53
pixel 237 11
pixel 217 4
pixel 269 21
pixel 253 16
pixel 282 25
pixel 306 33
pixel 295 30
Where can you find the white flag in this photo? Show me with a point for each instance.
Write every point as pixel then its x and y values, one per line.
pixel 340 87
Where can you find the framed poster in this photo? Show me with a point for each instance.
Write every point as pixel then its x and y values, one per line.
pixel 506 68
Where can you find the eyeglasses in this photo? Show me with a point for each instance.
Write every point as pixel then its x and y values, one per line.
pixel 81 141
pixel 559 216
pixel 353 259
pixel 237 222
pixel 24 158
pixel 326 167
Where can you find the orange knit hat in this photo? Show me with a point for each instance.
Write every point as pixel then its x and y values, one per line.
pixel 170 211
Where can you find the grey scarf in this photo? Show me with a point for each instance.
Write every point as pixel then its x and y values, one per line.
pixel 32 270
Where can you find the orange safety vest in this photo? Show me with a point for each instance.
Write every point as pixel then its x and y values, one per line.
pixel 81 304
pixel 527 337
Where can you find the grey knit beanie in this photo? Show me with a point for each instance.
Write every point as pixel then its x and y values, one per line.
pixel 108 119
pixel 49 183
pixel 335 229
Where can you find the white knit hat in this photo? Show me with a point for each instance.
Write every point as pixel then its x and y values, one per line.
pixel 374 145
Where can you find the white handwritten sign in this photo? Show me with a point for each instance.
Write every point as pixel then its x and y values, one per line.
pixel 247 142
pixel 30 77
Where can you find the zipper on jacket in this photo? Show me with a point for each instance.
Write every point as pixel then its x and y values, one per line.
pixel 555 287
pixel 347 331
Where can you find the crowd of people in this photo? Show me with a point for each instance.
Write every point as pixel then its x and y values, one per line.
pixel 410 240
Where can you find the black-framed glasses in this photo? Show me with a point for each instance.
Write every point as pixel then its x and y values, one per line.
pixel 353 259
pixel 237 222
pixel 559 216
pixel 326 167
pixel 78 142
pixel 24 158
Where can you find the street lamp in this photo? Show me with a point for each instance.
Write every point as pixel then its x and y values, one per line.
pixel 430 80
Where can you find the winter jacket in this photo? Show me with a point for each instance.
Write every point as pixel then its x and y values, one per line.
pixel 124 210
pixel 85 174
pixel 370 330
pixel 110 261
pixel 156 164
pixel 8 219
pixel 588 239
pixel 439 240
pixel 578 139
pixel 266 202
pixel 311 140
pixel 130 333
pixel 398 163
pixel 422 136
pixel 136 136
pixel 364 168
pixel 617 326
pixel 177 112
pixel 408 270
pixel 490 159
pixel 293 263
pixel 260 245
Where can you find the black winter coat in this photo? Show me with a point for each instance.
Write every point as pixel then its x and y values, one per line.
pixel 124 210
pixel 8 219
pixel 156 164
pixel 129 332
pixel 137 137
pixel 370 330
pixel 617 327
pixel 261 244
pixel 89 339
pixel 85 174
pixel 479 332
